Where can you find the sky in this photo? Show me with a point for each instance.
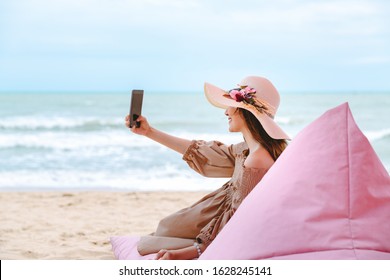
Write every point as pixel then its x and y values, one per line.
pixel 173 45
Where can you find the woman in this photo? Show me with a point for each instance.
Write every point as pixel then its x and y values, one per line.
pixel 250 109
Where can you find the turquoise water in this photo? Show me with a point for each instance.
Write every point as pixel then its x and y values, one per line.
pixel 78 140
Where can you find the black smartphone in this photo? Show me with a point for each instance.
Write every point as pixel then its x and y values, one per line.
pixel 136 106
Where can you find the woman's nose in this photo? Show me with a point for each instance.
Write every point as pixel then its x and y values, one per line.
pixel 226 112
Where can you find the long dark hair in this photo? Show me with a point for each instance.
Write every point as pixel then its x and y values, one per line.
pixel 274 146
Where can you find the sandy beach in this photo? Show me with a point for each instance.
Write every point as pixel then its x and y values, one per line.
pixel 78 225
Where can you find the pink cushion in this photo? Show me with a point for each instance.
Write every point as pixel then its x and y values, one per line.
pixel 125 248
pixel 326 197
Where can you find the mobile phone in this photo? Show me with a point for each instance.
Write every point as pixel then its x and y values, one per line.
pixel 136 106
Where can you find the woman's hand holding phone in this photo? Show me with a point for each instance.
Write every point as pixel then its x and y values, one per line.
pixel 143 128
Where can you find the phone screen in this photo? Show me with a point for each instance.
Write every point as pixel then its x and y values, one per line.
pixel 135 106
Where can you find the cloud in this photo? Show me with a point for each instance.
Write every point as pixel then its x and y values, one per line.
pixel 171 38
pixel 283 15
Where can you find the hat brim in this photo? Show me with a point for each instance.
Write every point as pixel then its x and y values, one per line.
pixel 217 97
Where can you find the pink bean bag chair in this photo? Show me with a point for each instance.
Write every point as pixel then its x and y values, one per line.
pixel 125 248
pixel 326 197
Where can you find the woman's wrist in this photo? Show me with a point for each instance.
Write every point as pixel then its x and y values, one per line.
pixel 149 132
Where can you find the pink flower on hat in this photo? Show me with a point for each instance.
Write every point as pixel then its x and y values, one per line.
pixel 236 95
pixel 244 93
pixel 248 90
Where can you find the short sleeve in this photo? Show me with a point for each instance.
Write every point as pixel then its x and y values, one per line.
pixel 211 159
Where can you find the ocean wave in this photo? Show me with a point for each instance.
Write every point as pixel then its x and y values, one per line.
pixel 69 141
pixel 100 140
pixel 284 120
pixel 91 123
pixel 166 177
pixel 378 134
pixel 58 123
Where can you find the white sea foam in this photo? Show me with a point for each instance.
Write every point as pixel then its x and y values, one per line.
pixel 102 139
pixel 41 122
pixel 284 120
pixel 138 180
pixel 56 122
pixel 378 134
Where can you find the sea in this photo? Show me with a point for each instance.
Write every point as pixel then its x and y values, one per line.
pixel 78 140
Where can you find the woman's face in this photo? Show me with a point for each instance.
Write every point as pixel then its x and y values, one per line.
pixel 235 119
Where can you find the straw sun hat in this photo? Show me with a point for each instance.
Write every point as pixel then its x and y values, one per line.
pixel 255 94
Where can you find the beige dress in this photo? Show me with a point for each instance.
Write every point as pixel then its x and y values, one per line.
pixel 204 220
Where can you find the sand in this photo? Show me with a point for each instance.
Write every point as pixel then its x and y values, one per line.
pixel 78 225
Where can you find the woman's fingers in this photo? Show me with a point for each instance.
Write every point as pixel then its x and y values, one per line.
pixel 143 127
pixel 161 253
pixel 127 121
pixel 141 119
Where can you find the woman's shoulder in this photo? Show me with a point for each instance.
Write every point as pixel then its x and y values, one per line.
pixel 259 159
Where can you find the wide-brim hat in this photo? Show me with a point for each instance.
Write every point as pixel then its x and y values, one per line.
pixel 255 94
